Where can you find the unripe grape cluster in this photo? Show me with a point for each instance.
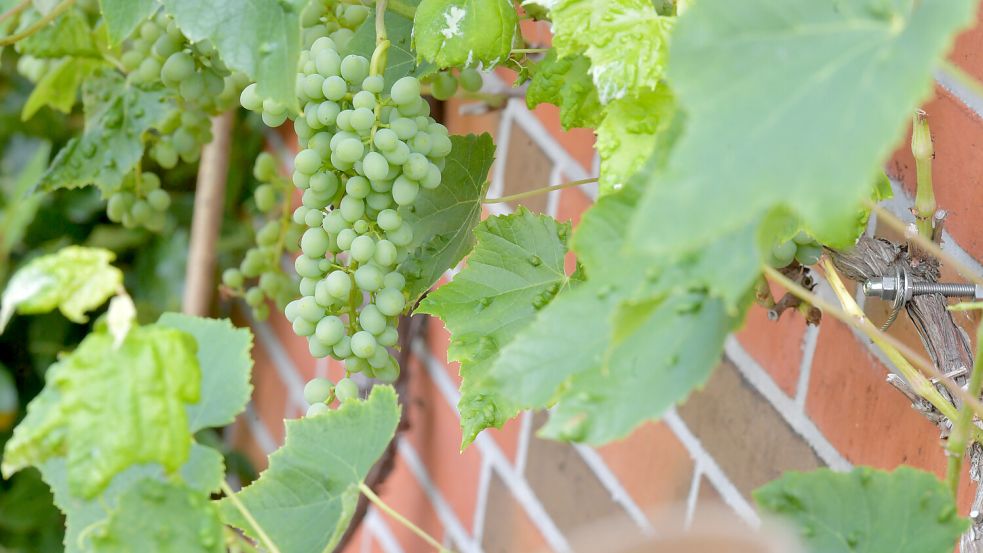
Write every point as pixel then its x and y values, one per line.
pixel 260 275
pixel 199 80
pixel 366 154
pixel 138 201
pixel 802 248
pixel 444 84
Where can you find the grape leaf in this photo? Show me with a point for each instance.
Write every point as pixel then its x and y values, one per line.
pixel 261 39
pixel 74 279
pixel 68 35
pixel 306 498
pixel 565 83
pixel 516 268
pixel 26 160
pixel 400 59
pixel 626 41
pixel 850 73
pixel 160 516
pixel 226 365
pixel 123 16
pixel 58 88
pixel 443 219
pixel 139 390
pixel 627 136
pixel 116 115
pixel 464 33
pixel 866 510
pixel 203 472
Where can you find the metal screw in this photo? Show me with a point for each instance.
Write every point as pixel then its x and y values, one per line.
pixel 899 289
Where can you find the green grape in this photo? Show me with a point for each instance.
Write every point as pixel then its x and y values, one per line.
pixel 159 200
pixel 470 80
pixel 346 237
pixel 401 236
pixel 254 296
pixel 265 196
pixel 178 67
pixel 432 178
pixel 389 337
pixel 327 112
pixel 317 409
pixel 330 330
pixel 404 128
pixel 363 344
pixel 390 302
pixel 315 242
pixel 444 86
pixel 405 91
pixel 368 278
pixel 405 191
pixel 307 267
pixel 334 88
pixel 364 100
pixel 351 208
pixel 783 253
pixel 303 327
pixel 346 390
pixel 372 320
pixel 375 166
pixel 342 350
pixel 354 68
pixel 358 187
pixel 808 254
pixel 312 87
pixel 350 150
pixel 374 84
pixel 388 219
pixel 385 139
pixel 385 253
pixel 421 143
pixel 339 284
pixel 379 359
pixel 802 237
pixel 307 162
pixel 362 119
pixel 318 390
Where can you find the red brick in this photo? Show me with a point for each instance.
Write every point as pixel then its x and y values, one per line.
pixel 507 528
pixel 866 419
pixel 958 137
pixel 968 50
pixel 403 493
pixel 269 394
pixel 776 345
pixel 652 465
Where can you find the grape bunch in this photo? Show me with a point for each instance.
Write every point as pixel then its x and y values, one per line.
pixel 802 248
pixel 444 84
pixel 261 264
pixel 319 19
pixel 138 201
pixel 366 155
pixel 201 84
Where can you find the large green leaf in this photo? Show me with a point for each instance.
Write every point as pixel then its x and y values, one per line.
pixel 160 516
pixel 203 472
pixel 306 498
pixel 515 270
pixel 106 408
pixel 400 59
pixel 226 365
pixel 59 86
pixel 866 510
pixel 260 38
pixel 74 279
pixel 627 136
pixel 565 83
pixel 123 16
pixel 455 33
pixel 68 35
pixel 804 99
pixel 443 219
pixel 626 41
pixel 116 116
pixel 26 160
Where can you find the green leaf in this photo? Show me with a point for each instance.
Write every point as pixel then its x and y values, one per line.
pixel 116 115
pixel 626 41
pixel 565 82
pixel 849 73
pixel 204 469
pixel 74 279
pixel 68 35
pixel 226 365
pixel 261 39
pixel 866 510
pixel 400 59
pixel 26 160
pixel 58 88
pixel 160 516
pixel 123 16
pixel 465 33
pixel 627 136
pixel 515 269
pixel 306 498
pixel 443 219
pixel 138 390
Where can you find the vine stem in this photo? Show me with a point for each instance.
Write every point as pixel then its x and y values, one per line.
pixel 249 517
pixel 923 152
pixel 378 502
pixel 39 24
pixel 13 11
pixel 537 191
pixel 529 50
pixel 956 446
pixel 931 247
pixel 874 333
pixel 206 220
pixel 395 6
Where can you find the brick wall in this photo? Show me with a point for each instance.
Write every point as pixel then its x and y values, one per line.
pixel 786 395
